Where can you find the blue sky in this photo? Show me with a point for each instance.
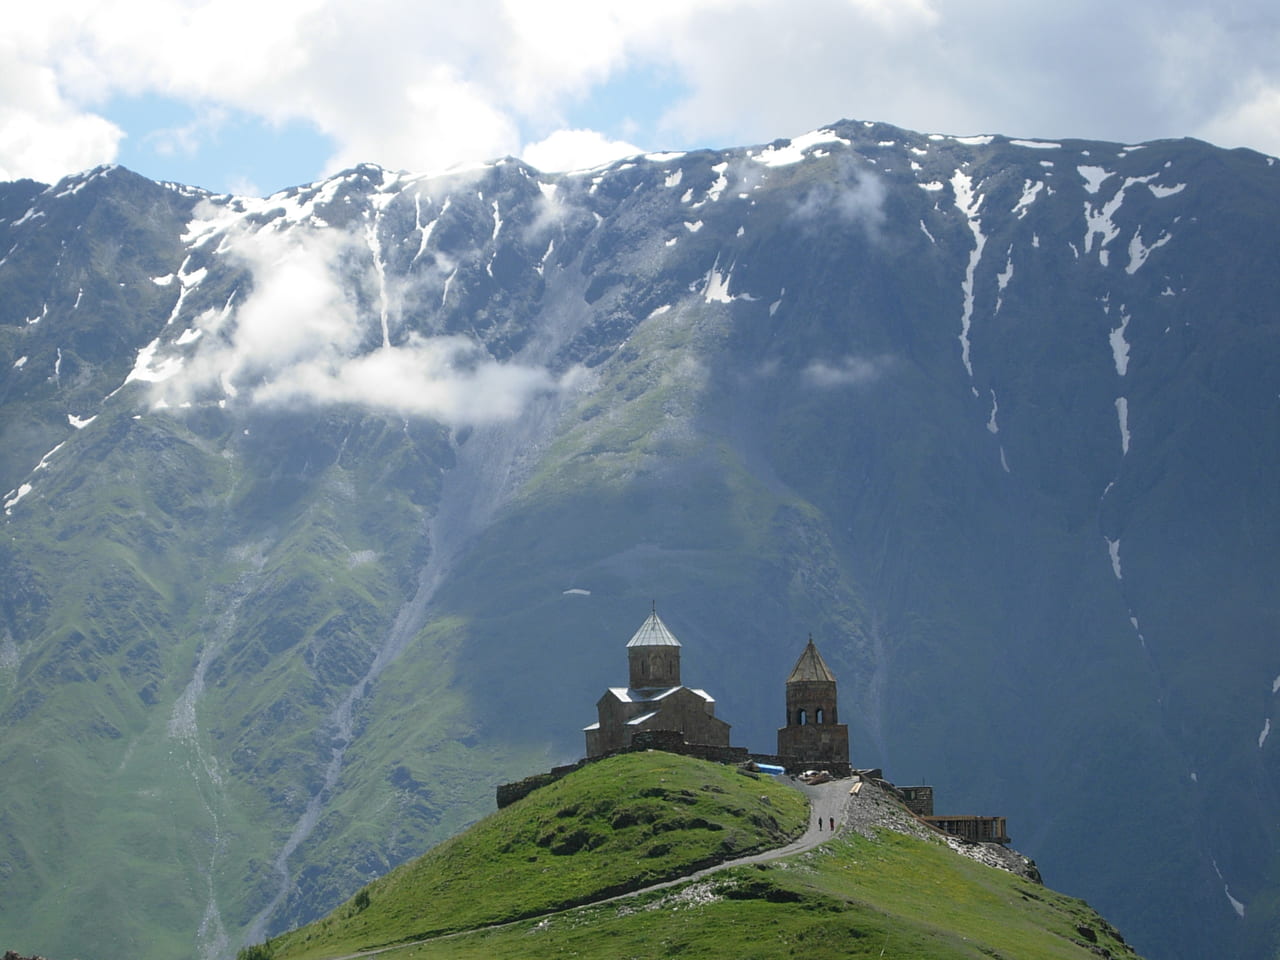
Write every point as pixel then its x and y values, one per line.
pixel 233 151
pixel 238 96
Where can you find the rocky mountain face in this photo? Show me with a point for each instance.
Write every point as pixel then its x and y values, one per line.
pixel 325 513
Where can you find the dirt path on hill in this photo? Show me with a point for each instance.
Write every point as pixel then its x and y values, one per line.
pixel 828 803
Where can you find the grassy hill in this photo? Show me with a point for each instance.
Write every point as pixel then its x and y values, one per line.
pixel 612 826
pixel 630 821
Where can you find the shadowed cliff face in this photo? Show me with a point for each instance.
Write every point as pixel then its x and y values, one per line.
pixel 325 513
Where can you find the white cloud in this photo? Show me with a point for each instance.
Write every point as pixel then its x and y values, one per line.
pixel 576 150
pixel 450 379
pixel 1253 121
pixel 853 195
pixel 300 339
pixel 42 135
pixel 850 371
pixel 189 137
pixel 424 86
pixel 241 186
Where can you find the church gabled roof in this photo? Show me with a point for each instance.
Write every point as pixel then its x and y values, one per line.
pixel 811 667
pixel 653 633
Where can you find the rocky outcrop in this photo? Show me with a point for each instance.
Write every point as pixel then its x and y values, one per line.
pixel 875 805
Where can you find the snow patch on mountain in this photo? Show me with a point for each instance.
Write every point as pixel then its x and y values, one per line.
pixel 968 202
pixel 27 217
pixel 15 496
pixel 1003 278
pixel 425 229
pixel 150 370
pixel 23 489
pixel 1137 629
pixel 718 187
pixel 1236 905
pixel 1113 548
pixel 546 254
pixel 1100 222
pixel 796 148
pixel 1093 177
pixel 1030 190
pixel 497 222
pixel 1122 415
pixel 716 289
pixel 1138 251
pixel 1120 345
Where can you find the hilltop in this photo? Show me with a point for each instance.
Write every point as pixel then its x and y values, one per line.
pixel 881 886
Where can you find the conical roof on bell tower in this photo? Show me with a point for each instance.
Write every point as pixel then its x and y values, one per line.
pixel 653 633
pixel 653 655
pixel 811 667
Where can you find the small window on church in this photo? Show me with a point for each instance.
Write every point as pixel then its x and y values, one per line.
pixel 817 717
pixel 800 718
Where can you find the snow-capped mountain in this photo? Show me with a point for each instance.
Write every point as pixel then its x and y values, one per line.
pixel 326 512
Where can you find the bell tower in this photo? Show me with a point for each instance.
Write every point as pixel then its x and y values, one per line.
pixel 813 731
pixel 653 656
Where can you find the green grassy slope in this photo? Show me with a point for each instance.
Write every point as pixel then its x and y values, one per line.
pixel 630 821
pixel 892 897
pixel 616 825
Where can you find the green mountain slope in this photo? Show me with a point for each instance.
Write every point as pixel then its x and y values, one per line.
pixel 629 821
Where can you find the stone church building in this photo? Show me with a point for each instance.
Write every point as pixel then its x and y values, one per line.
pixel 658 706
pixel 654 699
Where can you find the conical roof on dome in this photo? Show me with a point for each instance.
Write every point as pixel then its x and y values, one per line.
pixel 653 633
pixel 811 667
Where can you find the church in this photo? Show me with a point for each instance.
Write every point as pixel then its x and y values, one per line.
pixel 656 711
pixel 656 706
pixel 654 699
